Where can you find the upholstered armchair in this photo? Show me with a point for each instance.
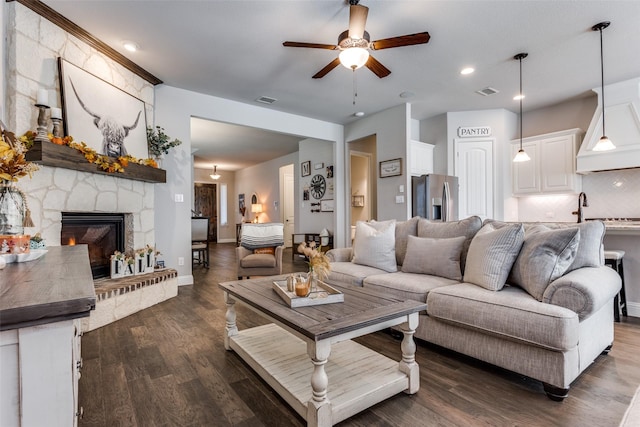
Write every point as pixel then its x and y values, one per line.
pixel 260 250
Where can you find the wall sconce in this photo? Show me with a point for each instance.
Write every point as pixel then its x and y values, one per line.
pixel 256 208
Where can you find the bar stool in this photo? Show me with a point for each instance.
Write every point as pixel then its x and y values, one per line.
pixel 614 259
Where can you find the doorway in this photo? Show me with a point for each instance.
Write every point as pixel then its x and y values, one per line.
pixel 474 169
pixel 287 204
pixel 205 197
pixel 360 187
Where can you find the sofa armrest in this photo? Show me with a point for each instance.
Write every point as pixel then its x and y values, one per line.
pixel 339 255
pixel 584 290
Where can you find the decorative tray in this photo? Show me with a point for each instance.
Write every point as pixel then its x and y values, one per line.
pixel 322 294
pixel 33 254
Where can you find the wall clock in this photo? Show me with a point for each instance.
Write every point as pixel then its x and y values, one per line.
pixel 318 186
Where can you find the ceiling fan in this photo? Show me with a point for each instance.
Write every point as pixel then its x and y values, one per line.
pixel 354 44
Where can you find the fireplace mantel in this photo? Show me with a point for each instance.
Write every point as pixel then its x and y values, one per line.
pixel 61 156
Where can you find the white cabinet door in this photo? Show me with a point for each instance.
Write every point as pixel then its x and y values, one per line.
pixel 474 169
pixel 420 158
pixel 526 175
pixel 557 166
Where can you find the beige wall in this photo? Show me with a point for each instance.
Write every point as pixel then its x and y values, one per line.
pixel 575 113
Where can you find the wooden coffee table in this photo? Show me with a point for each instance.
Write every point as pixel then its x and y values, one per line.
pixel 306 355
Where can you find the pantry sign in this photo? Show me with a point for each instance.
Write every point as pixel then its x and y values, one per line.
pixel 474 132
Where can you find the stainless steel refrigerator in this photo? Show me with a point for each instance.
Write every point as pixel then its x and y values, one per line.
pixel 435 197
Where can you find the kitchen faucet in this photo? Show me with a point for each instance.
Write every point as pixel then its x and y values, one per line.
pixel 582 202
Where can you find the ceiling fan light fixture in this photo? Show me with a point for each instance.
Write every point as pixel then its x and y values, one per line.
pixel 215 174
pixel 354 57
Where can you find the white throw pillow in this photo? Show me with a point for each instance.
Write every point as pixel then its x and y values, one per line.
pixel 491 255
pixel 438 257
pixel 374 245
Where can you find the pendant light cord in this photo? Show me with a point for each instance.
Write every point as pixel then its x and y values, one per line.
pixel 521 96
pixel 602 78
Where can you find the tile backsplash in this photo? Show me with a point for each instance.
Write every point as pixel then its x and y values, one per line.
pixel 612 194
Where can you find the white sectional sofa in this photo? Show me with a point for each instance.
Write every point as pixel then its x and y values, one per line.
pixel 533 298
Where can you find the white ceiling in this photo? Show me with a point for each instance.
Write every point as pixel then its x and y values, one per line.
pixel 233 49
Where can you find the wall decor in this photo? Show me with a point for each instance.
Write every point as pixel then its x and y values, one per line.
pixel 317 166
pixel 357 201
pixel 241 204
pixel 318 186
pixel 306 168
pixel 330 171
pixel 390 168
pixel 101 115
pixel 326 205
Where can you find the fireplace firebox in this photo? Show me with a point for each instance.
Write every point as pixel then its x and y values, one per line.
pixel 104 233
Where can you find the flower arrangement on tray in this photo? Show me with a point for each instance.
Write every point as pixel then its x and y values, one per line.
pixel 317 260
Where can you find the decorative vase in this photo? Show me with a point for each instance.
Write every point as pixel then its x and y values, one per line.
pixel 150 262
pixel 12 209
pixel 117 268
pixel 141 263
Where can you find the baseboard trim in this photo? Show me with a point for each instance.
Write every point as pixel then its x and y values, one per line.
pixel 226 240
pixel 185 280
pixel 633 309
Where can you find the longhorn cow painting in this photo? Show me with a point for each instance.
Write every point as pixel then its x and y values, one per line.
pixel 103 116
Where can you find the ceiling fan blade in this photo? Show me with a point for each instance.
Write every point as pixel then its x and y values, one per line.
pixel 311 45
pixel 333 64
pixel 357 20
pixel 408 40
pixel 378 69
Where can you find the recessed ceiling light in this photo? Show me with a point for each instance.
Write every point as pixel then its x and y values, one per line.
pixel 130 46
pixel 266 99
pixel 359 114
pixel 518 97
pixel 466 71
pixel 407 94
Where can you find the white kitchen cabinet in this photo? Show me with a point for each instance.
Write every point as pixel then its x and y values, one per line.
pixel 552 169
pixel 420 158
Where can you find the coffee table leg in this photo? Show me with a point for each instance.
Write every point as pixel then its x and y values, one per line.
pixel 319 407
pixel 408 364
pixel 230 328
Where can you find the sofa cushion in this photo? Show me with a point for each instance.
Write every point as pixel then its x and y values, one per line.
pixel 406 286
pixel 511 314
pixel 404 229
pixel 467 227
pixel 545 256
pixel 491 255
pixel 374 245
pixel 350 273
pixel 440 257
pixel 258 260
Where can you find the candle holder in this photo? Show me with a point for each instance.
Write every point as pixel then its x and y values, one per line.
pixel 42 123
pixel 57 127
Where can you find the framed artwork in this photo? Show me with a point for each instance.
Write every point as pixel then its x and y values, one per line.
pixel 330 171
pixel 106 118
pixel 317 166
pixel 357 201
pixel 390 168
pixel 306 168
pixel 326 205
pixel 241 204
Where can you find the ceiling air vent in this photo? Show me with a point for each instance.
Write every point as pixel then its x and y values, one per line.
pixel 487 91
pixel 266 100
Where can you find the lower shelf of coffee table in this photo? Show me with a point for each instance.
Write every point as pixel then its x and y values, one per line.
pixel 358 377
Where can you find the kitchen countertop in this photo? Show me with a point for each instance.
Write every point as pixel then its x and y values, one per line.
pixel 55 287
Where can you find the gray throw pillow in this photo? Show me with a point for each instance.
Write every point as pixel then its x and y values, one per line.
pixel 545 256
pixel 467 227
pixel 438 257
pixel 404 229
pixel 374 245
pixel 491 255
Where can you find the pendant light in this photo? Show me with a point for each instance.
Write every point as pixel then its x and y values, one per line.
pixel 604 144
pixel 215 174
pixel 522 155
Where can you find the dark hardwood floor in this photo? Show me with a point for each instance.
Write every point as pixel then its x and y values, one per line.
pixel 167 366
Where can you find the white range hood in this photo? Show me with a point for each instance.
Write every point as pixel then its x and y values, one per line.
pixel 622 127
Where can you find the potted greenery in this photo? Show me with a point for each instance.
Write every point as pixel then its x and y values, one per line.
pixel 159 142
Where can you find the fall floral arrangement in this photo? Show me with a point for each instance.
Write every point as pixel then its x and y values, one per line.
pixel 13 164
pixel 105 163
pixel 317 260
